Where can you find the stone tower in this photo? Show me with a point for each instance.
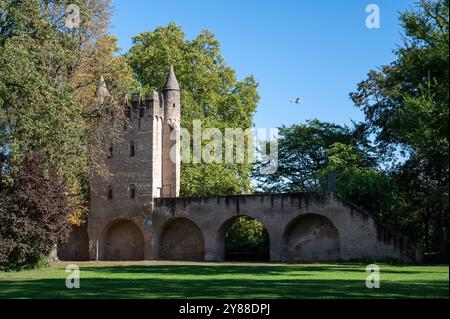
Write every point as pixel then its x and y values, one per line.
pixel 143 163
pixel 171 137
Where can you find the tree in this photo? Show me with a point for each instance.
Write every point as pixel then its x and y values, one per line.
pixel 49 73
pixel 36 110
pixel 303 152
pixel 33 214
pixel 246 232
pixel 48 77
pixel 425 207
pixel 406 108
pixel 362 182
pixel 247 239
pixel 210 93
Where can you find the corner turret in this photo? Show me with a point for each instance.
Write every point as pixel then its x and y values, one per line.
pixel 171 81
pixel 102 91
pixel 171 137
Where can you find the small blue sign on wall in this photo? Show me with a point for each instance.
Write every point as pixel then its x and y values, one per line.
pixel 149 221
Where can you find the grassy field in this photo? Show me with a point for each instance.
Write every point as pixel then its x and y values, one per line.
pixel 210 280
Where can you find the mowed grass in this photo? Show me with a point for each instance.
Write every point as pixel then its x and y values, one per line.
pixel 203 280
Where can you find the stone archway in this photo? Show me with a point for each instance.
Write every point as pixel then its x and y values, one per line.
pixel 245 252
pixel 122 240
pixel 311 237
pixel 77 246
pixel 181 239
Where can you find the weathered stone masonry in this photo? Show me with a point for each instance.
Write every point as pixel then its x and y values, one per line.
pixel 136 213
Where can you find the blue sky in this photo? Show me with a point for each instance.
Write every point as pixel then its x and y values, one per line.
pixel 315 50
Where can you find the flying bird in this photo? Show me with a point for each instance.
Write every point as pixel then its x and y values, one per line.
pixel 296 100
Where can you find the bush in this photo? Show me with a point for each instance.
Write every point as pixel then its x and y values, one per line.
pixel 247 233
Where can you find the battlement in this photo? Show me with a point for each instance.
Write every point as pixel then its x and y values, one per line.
pixel 139 105
pixel 137 100
pixel 160 104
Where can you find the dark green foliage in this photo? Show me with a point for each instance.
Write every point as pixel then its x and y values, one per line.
pixel 303 152
pixel 33 214
pixel 36 109
pixel 362 182
pixel 406 107
pixel 246 236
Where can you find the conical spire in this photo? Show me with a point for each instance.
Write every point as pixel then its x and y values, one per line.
pixel 102 91
pixel 171 82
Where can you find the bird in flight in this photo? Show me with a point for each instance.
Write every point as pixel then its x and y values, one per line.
pixel 296 100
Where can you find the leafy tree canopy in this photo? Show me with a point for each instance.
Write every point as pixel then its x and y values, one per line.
pixel 247 234
pixel 406 107
pixel 48 77
pixel 303 153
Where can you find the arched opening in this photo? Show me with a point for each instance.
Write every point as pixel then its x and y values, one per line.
pixel 122 240
pixel 181 239
pixel 311 237
pixel 245 239
pixel 77 246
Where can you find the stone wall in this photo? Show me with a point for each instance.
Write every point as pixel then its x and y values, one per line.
pixel 77 246
pixel 122 240
pixel 312 237
pixel 301 226
pixel 181 239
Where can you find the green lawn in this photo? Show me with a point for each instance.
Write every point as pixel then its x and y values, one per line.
pixel 227 281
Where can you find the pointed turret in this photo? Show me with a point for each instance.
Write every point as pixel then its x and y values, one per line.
pixel 102 91
pixel 171 81
pixel 171 137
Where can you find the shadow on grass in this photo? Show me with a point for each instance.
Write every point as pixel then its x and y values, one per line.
pixel 224 288
pixel 140 281
pixel 243 270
